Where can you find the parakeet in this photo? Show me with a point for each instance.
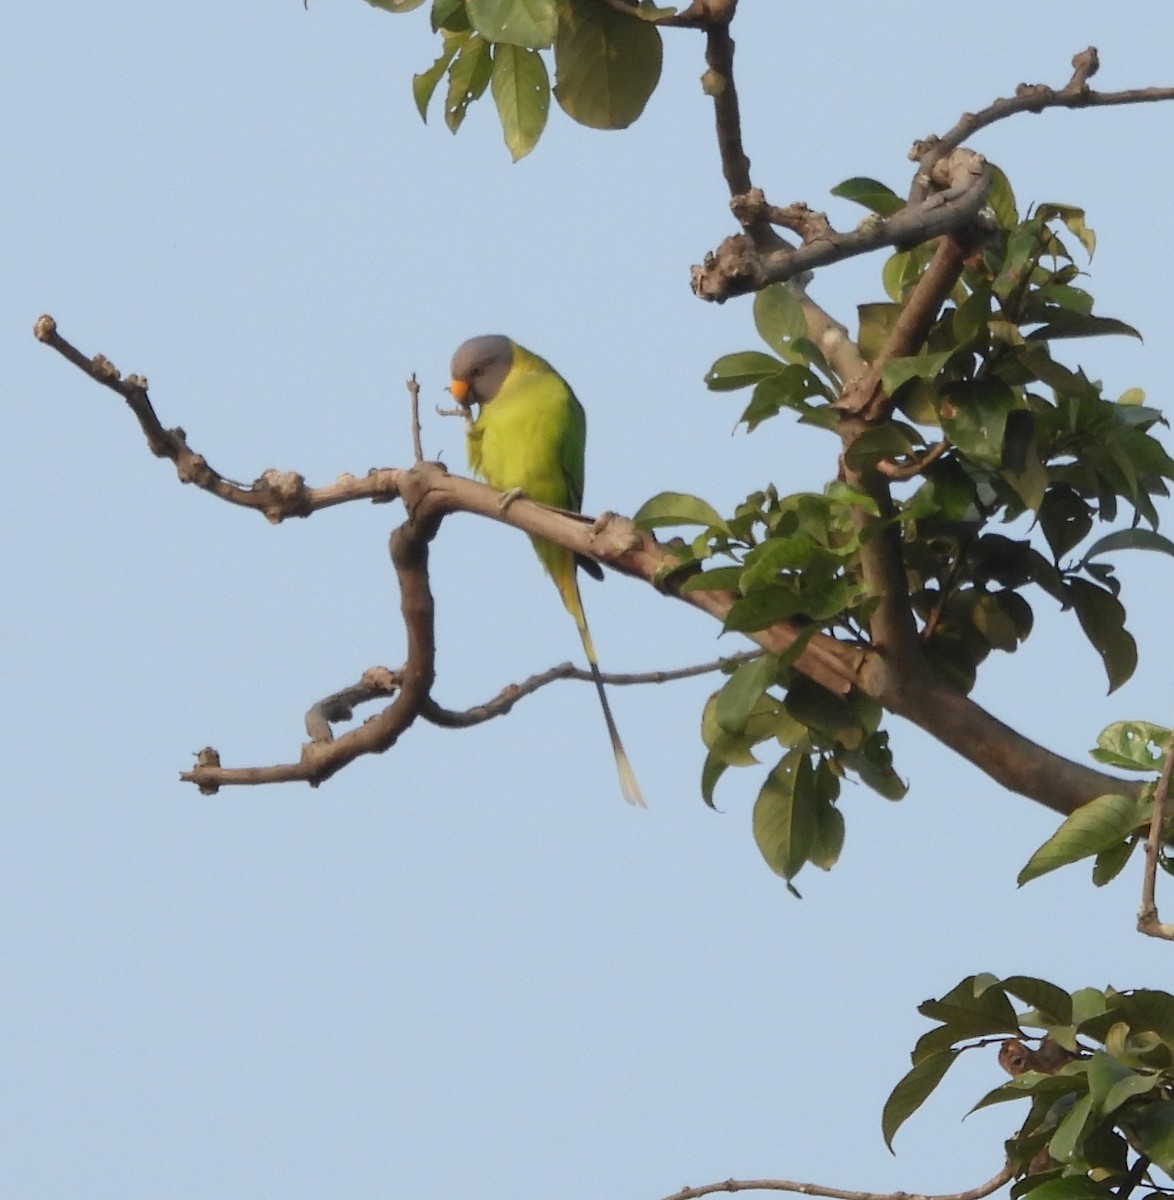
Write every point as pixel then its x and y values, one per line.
pixel 529 436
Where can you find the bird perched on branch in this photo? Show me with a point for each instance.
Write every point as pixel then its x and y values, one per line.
pixel 528 438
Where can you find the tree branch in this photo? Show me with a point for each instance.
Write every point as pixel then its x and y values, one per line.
pixel 276 494
pixel 429 493
pixel 1147 917
pixel 829 1193
pixel 1032 98
pixel 738 266
pixel 319 760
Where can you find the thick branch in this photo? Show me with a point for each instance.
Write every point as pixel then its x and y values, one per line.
pixel 817 1189
pixel 891 624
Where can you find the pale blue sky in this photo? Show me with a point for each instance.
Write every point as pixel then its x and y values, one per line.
pixel 467 969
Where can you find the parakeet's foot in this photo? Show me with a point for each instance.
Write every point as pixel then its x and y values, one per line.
pixel 509 497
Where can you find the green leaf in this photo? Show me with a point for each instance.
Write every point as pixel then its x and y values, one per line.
pixel 608 64
pixel 763 607
pixel 734 371
pixel 871 194
pixel 1046 998
pixel 990 619
pixel 873 763
pixel 1111 862
pixel 1064 517
pixel 876 323
pixel 1002 199
pixel 913 1090
pixel 974 416
pixel 830 716
pixel 677 508
pixel 521 92
pixel 424 84
pixel 468 77
pixel 1130 539
pixel 1104 1073
pixel 1022 467
pixel 784 821
pixel 1148 1008
pixel 1133 745
pixel 875 443
pixel 449 15
pixel 827 841
pixel 1065 1142
pixel 1074 219
pixel 1129 1087
pixel 1153 1127
pixel 916 366
pixel 1102 617
pixel 1093 827
pixel 973 1010
pixel 395 6
pixel 779 319
pixel 1063 323
pixel 740 693
pixel 791 387
pixel 525 23
pixel 1071 1187
pixel 713 769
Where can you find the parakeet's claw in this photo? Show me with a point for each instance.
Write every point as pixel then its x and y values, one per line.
pixel 509 497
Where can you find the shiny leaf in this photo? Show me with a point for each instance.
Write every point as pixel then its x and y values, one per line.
pixel 1093 827
pixel 607 63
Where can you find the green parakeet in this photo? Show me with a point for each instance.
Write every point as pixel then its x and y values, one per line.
pixel 529 437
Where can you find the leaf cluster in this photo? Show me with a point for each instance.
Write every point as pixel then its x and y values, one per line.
pixel 1109 828
pixel 1100 1085
pixel 1012 458
pixel 606 61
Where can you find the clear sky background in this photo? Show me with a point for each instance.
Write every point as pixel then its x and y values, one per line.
pixel 467 969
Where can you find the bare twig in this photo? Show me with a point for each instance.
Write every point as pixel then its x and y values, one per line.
pixel 1032 98
pixel 322 758
pixel 915 464
pixel 276 494
pixel 512 693
pixel 829 1193
pixel 414 393
pixel 1147 917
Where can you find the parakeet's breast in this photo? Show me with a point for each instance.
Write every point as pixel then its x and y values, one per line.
pixel 521 438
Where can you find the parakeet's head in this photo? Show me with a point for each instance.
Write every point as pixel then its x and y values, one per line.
pixel 479 367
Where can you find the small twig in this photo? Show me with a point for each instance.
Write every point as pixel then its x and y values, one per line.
pixel 815 1189
pixel 1032 98
pixel 915 464
pixel 512 693
pixel 278 495
pixel 1147 917
pixel 414 393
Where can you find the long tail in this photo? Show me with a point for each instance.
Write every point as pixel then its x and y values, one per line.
pixel 565 579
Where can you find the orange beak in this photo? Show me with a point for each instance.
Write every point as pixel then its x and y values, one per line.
pixel 459 389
